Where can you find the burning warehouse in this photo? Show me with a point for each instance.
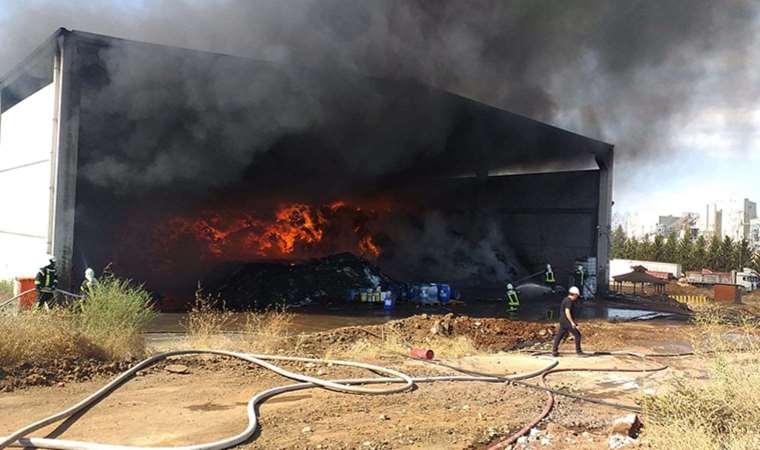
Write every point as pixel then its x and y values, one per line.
pixel 171 164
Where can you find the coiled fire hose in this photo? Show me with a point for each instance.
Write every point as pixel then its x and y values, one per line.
pixel 19 438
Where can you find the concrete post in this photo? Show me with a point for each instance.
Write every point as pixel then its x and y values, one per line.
pixel 68 149
pixel 604 223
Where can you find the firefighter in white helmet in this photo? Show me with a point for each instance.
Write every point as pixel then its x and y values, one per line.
pixel 89 282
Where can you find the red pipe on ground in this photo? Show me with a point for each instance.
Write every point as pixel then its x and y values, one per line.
pixel 550 400
pixel 422 353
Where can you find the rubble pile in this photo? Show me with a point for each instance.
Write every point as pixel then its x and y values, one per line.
pixel 262 284
pixel 485 333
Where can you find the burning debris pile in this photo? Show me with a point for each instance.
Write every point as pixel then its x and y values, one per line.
pixel 293 231
pixel 258 285
pixel 255 254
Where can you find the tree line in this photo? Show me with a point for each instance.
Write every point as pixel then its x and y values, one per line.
pixel 716 254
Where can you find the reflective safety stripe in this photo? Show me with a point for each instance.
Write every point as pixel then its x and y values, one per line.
pixel 550 277
pixel 512 298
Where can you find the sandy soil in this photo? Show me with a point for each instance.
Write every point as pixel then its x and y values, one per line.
pixel 159 408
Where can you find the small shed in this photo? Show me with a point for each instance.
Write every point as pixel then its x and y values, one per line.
pixel 727 293
pixel 639 277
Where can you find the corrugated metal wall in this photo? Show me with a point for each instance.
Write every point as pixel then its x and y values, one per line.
pixel 26 139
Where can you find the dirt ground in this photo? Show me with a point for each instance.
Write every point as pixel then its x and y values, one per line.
pixel 160 408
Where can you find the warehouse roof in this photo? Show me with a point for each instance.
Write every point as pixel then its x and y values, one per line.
pixel 486 139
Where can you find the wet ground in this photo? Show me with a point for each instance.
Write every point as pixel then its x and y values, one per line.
pixel 537 304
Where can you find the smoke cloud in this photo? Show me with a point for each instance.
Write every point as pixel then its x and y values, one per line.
pixel 629 73
pixel 436 249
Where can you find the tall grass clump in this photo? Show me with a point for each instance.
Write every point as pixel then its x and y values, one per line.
pixel 721 411
pixel 209 324
pixel 267 331
pixel 207 321
pixel 6 289
pixel 42 338
pixel 113 314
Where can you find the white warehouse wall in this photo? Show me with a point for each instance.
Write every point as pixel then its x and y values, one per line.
pixel 26 138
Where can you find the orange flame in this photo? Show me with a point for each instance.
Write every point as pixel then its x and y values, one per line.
pixel 295 223
pixel 368 247
pixel 294 227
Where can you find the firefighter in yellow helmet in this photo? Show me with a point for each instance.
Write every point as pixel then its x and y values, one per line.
pixel 513 299
pixel 579 278
pixel 549 279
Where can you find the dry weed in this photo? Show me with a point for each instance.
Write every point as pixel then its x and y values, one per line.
pixel 266 332
pixel 206 323
pixel 42 337
pixel 105 324
pixel 6 289
pixel 209 325
pixel 390 343
pixel 721 411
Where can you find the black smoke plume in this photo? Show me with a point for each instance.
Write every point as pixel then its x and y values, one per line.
pixel 625 72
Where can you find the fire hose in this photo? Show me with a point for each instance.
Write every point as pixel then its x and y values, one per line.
pixel 550 401
pixel 551 392
pixel 6 302
pixel 19 438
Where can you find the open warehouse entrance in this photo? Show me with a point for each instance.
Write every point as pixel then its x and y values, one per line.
pixel 170 164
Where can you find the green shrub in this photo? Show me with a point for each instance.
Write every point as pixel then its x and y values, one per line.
pixel 113 314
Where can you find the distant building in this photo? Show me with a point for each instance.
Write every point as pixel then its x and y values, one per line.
pixel 754 234
pixel 668 224
pixel 732 219
pixel 685 223
pixel 633 224
pixel 714 221
pixel 736 218
pixel 750 214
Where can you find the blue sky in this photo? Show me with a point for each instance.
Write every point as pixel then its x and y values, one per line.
pixel 713 158
pixel 687 184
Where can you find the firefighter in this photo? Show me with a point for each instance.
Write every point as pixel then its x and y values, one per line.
pixel 89 282
pixel 580 279
pixel 45 283
pixel 513 299
pixel 549 279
